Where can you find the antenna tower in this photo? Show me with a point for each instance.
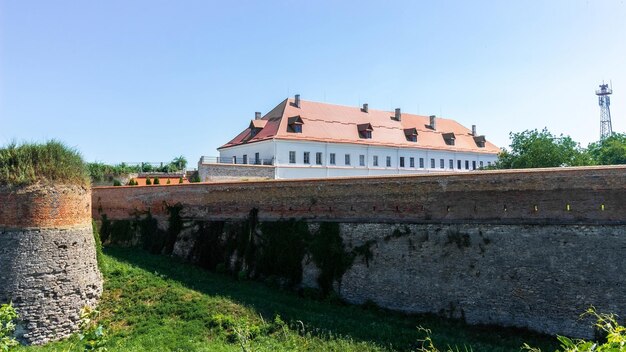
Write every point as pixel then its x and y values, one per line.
pixel 604 100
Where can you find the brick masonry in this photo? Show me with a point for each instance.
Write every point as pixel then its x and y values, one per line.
pixel 47 259
pixel 528 248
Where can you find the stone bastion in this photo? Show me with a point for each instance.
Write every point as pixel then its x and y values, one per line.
pixel 48 265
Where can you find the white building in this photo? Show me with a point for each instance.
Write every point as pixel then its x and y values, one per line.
pixel 304 139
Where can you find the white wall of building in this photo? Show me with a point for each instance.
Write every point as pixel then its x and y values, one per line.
pixel 280 150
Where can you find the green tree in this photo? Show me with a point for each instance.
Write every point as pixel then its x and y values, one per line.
pixel 533 148
pixel 180 162
pixel 609 151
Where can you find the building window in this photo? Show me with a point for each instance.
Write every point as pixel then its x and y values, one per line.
pixel 245 158
pixel 375 160
pixel 307 157
pixel 466 164
pixel 234 160
pixel 347 161
pixel 332 158
pixel 458 164
pixel 411 162
pixel 473 164
pixel 401 161
pixel 442 164
pixel 449 138
pixel 451 164
pixel 361 160
pixel 388 161
pixel 489 163
pixel 292 157
pixel 257 159
pixel 480 163
pixel 421 163
pixel 318 158
pixel 410 134
pixel 432 163
pixel 294 124
pixel 365 130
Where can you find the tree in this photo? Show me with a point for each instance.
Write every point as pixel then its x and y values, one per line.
pixel 180 162
pixel 609 151
pixel 532 149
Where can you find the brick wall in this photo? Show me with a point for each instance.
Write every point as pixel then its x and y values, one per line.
pixel 44 206
pixel 563 195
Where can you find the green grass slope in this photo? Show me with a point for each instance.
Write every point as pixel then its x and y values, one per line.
pixel 154 303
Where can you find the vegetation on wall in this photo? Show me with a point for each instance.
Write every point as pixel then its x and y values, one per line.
pixel 52 161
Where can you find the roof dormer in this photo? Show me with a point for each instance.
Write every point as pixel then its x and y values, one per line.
pixel 410 134
pixel 294 124
pixel 365 130
pixel 256 126
pixel 449 138
pixel 480 141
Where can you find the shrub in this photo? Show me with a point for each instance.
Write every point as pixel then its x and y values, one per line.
pixel 180 180
pixel 132 182
pixel 156 181
pixel 117 183
pixel 148 182
pixel 168 181
pixel 29 163
pixel 7 327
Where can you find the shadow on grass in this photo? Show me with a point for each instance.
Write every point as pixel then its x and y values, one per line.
pixel 388 329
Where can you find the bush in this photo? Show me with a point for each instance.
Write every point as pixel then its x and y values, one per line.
pixel 132 182
pixel 148 182
pixel 117 183
pixel 180 180
pixel 52 162
pixel 168 181
pixel 7 327
pixel 156 181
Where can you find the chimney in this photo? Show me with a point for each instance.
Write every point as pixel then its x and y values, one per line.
pixel 365 108
pixel 433 122
pixel 297 100
pixel 398 115
pixel 473 130
pixel 257 115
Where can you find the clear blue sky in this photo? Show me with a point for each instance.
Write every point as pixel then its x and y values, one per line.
pixel 151 80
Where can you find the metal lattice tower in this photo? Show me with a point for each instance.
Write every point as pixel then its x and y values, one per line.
pixel 604 100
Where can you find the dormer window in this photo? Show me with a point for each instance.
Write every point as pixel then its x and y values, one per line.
pixel 365 130
pixel 449 138
pixel 294 124
pixel 480 141
pixel 256 126
pixel 410 134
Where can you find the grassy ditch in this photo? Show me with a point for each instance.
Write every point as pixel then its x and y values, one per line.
pixel 154 303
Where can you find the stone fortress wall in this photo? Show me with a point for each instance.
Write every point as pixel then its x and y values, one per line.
pixel 48 265
pixel 531 248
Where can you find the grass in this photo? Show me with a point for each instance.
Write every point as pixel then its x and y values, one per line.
pixel 154 303
pixel 30 163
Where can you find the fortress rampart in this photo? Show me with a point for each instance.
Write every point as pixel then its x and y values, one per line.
pixel 48 263
pixel 529 248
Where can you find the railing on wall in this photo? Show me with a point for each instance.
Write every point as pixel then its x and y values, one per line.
pixel 235 160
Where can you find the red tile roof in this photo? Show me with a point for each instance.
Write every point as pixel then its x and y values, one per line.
pixel 323 122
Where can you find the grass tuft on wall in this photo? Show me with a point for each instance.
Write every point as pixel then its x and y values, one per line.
pixel 53 162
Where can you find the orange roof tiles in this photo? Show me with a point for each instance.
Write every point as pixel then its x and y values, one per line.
pixel 339 124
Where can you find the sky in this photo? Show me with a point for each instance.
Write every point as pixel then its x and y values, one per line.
pixel 147 81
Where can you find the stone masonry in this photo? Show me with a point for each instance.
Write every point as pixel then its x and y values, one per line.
pixel 48 265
